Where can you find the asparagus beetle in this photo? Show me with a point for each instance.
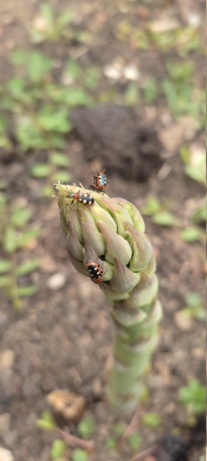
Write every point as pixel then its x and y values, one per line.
pixel 95 272
pixel 99 181
pixel 86 199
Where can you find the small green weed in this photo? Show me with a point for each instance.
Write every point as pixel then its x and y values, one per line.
pixel 180 92
pixel 111 442
pixel 151 419
pixel 57 449
pixel 132 94
pixel 14 236
pixel 194 164
pixel 38 108
pixel 192 234
pixel 79 455
pixel 117 430
pixel 86 426
pixel 153 207
pixel 151 90
pixel 193 397
pixel 194 306
pixel 52 27
pixel 183 39
pixel 134 442
pixel 199 216
pixel 46 421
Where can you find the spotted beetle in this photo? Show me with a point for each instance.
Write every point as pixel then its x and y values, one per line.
pixel 99 182
pixel 95 272
pixel 86 199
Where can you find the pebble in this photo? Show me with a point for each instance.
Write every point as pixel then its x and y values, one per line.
pixel 194 19
pixel 131 73
pixel 183 321
pixel 56 281
pixel 198 353
pixel 6 360
pixel 97 387
pixel 68 404
pixel 164 24
pixel 6 455
pixel 113 72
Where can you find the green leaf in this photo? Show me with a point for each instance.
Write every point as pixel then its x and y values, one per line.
pixel 28 267
pixel 19 57
pixel 38 65
pixel 5 281
pixel 19 216
pixel 185 154
pixel 194 306
pixel 57 449
pixel 193 298
pixel 196 172
pixel 16 87
pixel 62 176
pixel 170 93
pixel 151 206
pixel 80 455
pixel 193 396
pixel 47 13
pixel 164 218
pixel 86 426
pixel 180 71
pixel 3 201
pixel 151 419
pixel 5 265
pixel 77 97
pixel 111 443
pixel 25 291
pixel 73 69
pixel 29 134
pixel 196 312
pixel 150 90
pixel 64 19
pixel 144 395
pixel 134 441
pixel 41 170
pixel 191 234
pixel 46 421
pixel 47 190
pixel 27 236
pixel 37 37
pixel 10 240
pixel 60 159
pixel 200 214
pixel 132 94
pixel 52 120
pixel 91 78
pixel 118 429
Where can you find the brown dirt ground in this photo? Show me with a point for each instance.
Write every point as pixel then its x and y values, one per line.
pixel 62 338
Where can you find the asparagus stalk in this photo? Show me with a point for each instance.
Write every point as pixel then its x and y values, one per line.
pixel 111 233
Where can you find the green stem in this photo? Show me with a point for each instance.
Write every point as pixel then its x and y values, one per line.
pixel 134 339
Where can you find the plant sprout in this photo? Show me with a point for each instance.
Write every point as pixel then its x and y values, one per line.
pixel 110 234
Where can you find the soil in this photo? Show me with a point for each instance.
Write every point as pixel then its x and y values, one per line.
pixel 62 337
